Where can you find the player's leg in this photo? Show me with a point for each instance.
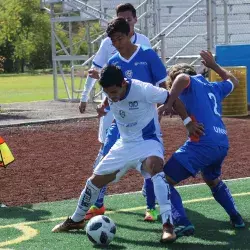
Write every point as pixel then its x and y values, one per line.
pixel 154 166
pixel 175 173
pixel 111 137
pixel 103 174
pixel 104 124
pixel 87 198
pixel 220 191
pixel 151 213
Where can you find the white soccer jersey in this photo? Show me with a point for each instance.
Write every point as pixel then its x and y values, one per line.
pixel 107 50
pixel 136 114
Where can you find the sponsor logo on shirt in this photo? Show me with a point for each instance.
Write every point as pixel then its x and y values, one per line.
pixel 140 63
pixel 220 130
pixel 129 74
pixel 133 105
pixel 115 64
pixel 122 113
pixel 127 125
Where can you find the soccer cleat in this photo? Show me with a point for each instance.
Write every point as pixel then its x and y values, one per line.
pixel 237 221
pixel 151 215
pixel 168 234
pixel 94 211
pixel 68 225
pixel 184 230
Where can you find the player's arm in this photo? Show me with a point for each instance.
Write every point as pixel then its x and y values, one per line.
pixel 102 108
pixel 209 62
pixel 157 69
pixel 181 82
pixel 99 61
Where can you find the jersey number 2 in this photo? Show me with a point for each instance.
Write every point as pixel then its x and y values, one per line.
pixel 212 97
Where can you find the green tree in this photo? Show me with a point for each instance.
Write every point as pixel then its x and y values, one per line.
pixel 27 29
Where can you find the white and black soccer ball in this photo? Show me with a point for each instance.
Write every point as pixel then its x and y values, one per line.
pixel 101 230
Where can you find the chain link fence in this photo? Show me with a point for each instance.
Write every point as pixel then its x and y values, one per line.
pixel 232 22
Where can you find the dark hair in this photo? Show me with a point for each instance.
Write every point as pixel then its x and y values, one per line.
pixel 118 25
pixel 177 69
pixel 126 7
pixel 111 75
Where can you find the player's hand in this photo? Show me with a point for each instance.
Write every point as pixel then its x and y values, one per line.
pixel 101 110
pixel 82 107
pixel 207 59
pixel 195 129
pixel 93 73
pixel 164 110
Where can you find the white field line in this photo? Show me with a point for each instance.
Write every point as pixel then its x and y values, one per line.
pixel 184 186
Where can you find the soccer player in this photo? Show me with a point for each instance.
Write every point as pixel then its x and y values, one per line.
pixel 141 63
pixel 105 52
pixel 140 147
pixel 206 153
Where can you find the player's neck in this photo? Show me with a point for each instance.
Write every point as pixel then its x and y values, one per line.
pixel 129 51
pixel 131 34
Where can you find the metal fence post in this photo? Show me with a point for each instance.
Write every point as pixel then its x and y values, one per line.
pixel 225 21
pixel 163 49
pixel 209 25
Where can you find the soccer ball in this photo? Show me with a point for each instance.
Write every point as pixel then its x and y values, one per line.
pixel 101 230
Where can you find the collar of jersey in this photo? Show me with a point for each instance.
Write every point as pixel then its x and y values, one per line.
pixel 131 58
pixel 128 89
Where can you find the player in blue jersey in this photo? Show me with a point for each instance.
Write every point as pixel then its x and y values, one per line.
pixel 138 62
pixel 206 153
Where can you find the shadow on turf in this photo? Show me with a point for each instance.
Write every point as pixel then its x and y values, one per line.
pixel 207 229
pixel 27 212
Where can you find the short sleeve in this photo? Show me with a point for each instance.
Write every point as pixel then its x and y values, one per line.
pixel 225 88
pixel 154 94
pixel 101 57
pixel 159 72
pixel 146 43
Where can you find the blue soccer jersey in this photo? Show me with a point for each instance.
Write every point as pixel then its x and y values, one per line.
pixel 144 65
pixel 202 100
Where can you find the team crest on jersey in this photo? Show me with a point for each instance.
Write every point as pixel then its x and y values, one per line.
pixel 122 113
pixel 133 105
pixel 129 74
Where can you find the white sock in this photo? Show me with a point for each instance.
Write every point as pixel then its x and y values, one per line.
pixel 162 193
pixel 87 198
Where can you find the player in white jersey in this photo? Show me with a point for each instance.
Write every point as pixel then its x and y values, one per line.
pixel 139 147
pixel 105 52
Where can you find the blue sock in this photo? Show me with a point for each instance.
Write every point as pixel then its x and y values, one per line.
pixel 100 200
pixel 178 211
pixel 150 194
pixel 223 196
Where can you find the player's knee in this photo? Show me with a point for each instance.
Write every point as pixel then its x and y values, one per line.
pixel 153 165
pixel 102 180
pixel 171 181
pixel 211 183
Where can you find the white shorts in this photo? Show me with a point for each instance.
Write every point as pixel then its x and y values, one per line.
pixel 128 155
pixel 104 124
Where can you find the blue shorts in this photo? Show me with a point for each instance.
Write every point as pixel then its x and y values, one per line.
pixel 111 137
pixel 191 159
